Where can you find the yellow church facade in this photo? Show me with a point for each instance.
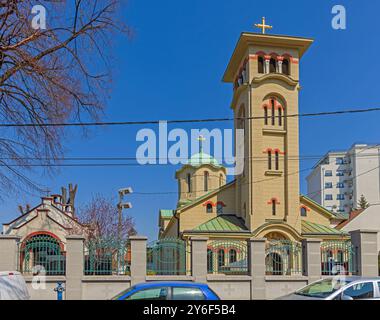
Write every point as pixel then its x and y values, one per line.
pixel 264 201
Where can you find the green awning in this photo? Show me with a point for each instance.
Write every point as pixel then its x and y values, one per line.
pixel 223 223
pixel 311 228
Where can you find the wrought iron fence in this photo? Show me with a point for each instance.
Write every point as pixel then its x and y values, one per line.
pixel 283 257
pixel 107 256
pixel 338 257
pixel 42 254
pixel 227 257
pixel 168 256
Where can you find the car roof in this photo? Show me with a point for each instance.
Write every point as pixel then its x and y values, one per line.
pixel 355 278
pixel 171 284
pixel 9 273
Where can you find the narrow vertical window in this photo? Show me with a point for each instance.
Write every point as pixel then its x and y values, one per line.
pixel 265 115
pixel 220 180
pixel 209 208
pixel 206 175
pixel 279 116
pixel 220 258
pixel 269 160
pixel 232 256
pixel 188 178
pixel 272 66
pixel 273 207
pixel 277 160
pixel 273 113
pixel 285 67
pixel 219 208
pixel 261 65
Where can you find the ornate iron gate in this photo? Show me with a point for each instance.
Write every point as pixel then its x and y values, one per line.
pixel 338 257
pixel 42 254
pixel 167 257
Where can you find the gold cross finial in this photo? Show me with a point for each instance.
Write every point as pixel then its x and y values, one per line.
pixel 263 26
pixel 201 139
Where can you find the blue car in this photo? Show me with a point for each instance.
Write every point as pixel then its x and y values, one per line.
pixel 168 291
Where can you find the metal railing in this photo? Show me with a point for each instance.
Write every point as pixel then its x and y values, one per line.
pixel 227 257
pixel 168 256
pixel 107 256
pixel 283 257
pixel 42 254
pixel 338 257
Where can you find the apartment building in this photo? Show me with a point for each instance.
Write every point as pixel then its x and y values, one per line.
pixel 340 178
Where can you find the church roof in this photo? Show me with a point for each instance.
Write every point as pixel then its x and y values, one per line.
pixel 311 228
pixel 166 213
pixel 223 223
pixel 202 158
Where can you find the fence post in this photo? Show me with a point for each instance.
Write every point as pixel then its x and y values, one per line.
pixel 365 242
pixel 311 262
pixel 9 252
pixel 74 266
pixel 256 268
pixel 138 259
pixel 199 258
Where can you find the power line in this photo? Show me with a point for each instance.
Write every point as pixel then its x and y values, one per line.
pixel 143 122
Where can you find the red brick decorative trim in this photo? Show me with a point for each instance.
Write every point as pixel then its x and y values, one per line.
pixel 273 199
pixel 304 207
pixel 222 203
pixel 207 203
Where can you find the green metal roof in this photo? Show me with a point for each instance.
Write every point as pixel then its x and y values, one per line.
pixel 315 228
pixel 202 158
pixel 166 213
pixel 222 223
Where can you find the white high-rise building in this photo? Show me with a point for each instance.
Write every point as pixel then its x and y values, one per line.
pixel 340 178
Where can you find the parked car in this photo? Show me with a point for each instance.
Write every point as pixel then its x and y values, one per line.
pixel 339 288
pixel 168 291
pixel 13 286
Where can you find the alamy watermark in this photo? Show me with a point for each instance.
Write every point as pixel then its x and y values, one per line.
pixel 176 147
pixel 339 21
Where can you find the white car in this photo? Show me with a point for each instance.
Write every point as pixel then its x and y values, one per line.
pixel 13 286
pixel 339 288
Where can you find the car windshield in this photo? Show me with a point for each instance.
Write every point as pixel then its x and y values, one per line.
pixel 123 293
pixel 322 288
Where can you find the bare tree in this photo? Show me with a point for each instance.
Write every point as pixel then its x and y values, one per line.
pixel 102 215
pixel 50 76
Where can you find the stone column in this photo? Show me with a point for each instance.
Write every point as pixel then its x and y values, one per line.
pixel 74 267
pixel 267 64
pixel 279 64
pixel 365 242
pixel 138 259
pixel 9 253
pixel 256 268
pixel 311 262
pixel 199 258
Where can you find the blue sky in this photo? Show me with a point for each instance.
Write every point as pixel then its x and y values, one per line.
pixel 172 68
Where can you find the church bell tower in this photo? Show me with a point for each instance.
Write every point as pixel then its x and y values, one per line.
pixel 264 71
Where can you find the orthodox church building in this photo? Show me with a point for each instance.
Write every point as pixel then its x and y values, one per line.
pixel 265 200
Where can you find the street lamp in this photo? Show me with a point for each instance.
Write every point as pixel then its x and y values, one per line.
pixel 122 205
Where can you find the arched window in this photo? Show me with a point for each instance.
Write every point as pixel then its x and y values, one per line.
pixel 277 160
pixel 219 208
pixel 220 258
pixel 188 180
pixel 269 160
pixel 286 67
pixel 266 115
pixel 232 256
pixel 272 65
pixel 261 65
pixel 303 212
pixel 274 207
pixel 206 176
pixel 279 116
pixel 273 113
pixel 209 208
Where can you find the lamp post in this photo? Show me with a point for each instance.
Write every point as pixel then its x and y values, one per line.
pixel 120 206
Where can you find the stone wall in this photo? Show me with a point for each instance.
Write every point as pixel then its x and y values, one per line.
pixel 255 285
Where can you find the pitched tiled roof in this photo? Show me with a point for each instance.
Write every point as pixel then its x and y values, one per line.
pixel 311 228
pixel 351 217
pixel 228 223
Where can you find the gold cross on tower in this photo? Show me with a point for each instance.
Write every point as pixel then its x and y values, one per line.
pixel 201 139
pixel 263 26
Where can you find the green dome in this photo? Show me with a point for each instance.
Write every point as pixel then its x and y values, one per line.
pixel 202 158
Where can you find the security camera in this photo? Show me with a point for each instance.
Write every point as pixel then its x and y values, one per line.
pixel 125 191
